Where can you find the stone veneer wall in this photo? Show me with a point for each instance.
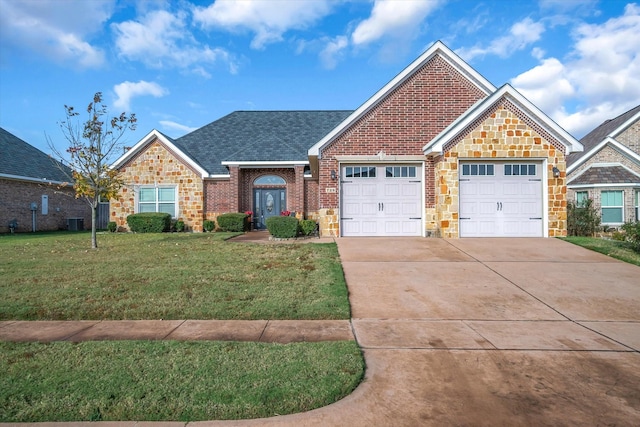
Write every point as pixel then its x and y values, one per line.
pixel 401 124
pixel 500 135
pixel 158 166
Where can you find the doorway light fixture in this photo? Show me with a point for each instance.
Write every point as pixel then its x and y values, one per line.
pixel 556 172
pixel 333 175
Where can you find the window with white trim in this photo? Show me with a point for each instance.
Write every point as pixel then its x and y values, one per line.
pixel 477 169
pixel 638 205
pixel 157 199
pixel 581 198
pixel 612 203
pixel 525 169
pixel 360 172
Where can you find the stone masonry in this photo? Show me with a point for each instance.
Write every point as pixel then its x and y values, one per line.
pixel 499 136
pixel 158 166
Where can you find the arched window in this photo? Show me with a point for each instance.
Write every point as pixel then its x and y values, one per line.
pixel 269 180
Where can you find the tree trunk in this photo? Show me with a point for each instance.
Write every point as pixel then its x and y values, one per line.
pixel 94 217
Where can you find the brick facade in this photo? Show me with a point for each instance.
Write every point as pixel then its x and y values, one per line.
pixel 610 155
pixel 16 197
pixel 401 124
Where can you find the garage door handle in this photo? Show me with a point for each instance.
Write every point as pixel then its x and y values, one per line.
pixel 536 218
pixel 466 218
pixel 499 206
pixel 416 217
pixel 346 218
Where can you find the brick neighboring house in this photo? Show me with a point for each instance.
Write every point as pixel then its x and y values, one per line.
pixel 438 151
pixel 33 193
pixel 608 171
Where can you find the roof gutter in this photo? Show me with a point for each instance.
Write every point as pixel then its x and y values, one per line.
pixel 30 179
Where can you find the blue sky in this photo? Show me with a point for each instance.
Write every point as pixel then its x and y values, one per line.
pixel 182 64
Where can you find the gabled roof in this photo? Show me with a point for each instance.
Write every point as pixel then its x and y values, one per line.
pixel 438 49
pixel 171 144
pixel 506 92
pixel 248 138
pixel 606 175
pixel 606 133
pixel 19 160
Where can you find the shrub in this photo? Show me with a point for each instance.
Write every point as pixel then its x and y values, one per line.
pixel 632 234
pixel 232 221
pixel 180 226
pixel 582 220
pixel 283 227
pixel 112 226
pixel 149 222
pixel 308 227
pixel 209 225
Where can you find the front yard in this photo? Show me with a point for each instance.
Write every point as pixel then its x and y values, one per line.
pixel 169 276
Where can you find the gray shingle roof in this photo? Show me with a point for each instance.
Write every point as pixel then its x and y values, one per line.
pixel 21 159
pixel 258 136
pixel 599 134
pixel 606 175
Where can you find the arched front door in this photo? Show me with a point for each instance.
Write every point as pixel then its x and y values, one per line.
pixel 267 202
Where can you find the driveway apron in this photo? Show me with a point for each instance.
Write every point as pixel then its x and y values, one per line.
pixel 487 332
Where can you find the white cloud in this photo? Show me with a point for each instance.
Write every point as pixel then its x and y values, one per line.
pixel 332 51
pixel 127 90
pixel 54 29
pixel 521 34
pixel 169 125
pixel 161 38
pixel 600 79
pixel 268 20
pixel 392 18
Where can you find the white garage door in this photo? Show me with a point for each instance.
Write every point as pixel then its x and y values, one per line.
pixel 381 200
pixel 501 199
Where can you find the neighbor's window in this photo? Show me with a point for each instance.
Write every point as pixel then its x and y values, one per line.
pixel 638 205
pixel 612 207
pixel 360 172
pixel 581 198
pixel 477 169
pixel 157 199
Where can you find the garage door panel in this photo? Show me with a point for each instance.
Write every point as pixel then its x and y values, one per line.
pixel 498 204
pixel 368 190
pixel 385 202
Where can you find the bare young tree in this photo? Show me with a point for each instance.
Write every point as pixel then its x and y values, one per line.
pixel 92 144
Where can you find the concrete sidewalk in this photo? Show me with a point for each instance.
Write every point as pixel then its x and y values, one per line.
pixel 280 331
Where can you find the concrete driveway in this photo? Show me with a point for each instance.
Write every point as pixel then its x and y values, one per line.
pixel 495 332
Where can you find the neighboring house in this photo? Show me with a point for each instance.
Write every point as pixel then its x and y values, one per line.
pixel 438 151
pixel 608 171
pixel 35 194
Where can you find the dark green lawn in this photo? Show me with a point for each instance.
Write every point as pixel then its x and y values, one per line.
pixel 167 276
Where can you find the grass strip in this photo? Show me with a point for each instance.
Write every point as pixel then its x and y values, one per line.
pixel 171 380
pixel 54 276
pixel 622 251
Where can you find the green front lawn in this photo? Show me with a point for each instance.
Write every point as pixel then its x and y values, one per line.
pixel 167 276
pixel 613 248
pixel 170 380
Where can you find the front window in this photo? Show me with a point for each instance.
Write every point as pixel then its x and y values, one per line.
pixel 612 207
pixel 157 199
pixel 581 198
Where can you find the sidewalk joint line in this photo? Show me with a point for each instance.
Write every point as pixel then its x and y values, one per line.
pixel 174 329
